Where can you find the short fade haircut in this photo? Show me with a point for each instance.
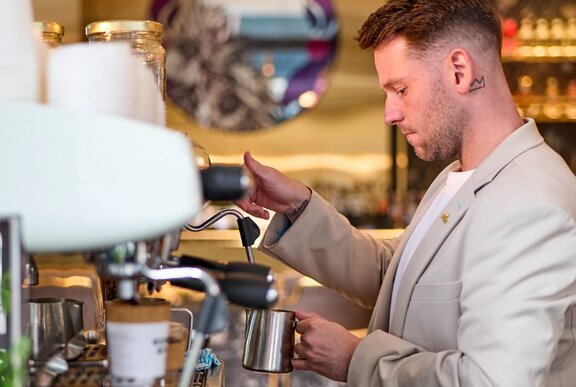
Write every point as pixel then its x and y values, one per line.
pixel 427 25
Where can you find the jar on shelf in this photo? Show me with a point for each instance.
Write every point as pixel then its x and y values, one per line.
pixel 145 37
pixel 50 32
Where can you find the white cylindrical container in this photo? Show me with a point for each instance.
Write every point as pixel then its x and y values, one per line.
pixel 19 69
pixel 137 341
pixel 145 38
pixel 94 78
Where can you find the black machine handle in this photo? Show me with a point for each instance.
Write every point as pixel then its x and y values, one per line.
pixel 225 182
pixel 244 284
pixel 262 271
pixel 249 292
pixel 244 290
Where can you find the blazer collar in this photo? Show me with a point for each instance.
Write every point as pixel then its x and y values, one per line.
pixel 516 143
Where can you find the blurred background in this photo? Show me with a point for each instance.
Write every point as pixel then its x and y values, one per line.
pixel 338 144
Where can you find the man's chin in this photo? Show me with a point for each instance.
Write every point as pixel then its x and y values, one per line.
pixel 419 152
pixel 423 155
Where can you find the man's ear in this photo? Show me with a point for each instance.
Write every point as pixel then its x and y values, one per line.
pixel 461 70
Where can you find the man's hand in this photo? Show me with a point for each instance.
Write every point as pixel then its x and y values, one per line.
pixel 325 347
pixel 272 190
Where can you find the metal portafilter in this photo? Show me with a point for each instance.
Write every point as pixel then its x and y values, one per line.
pixel 256 269
pixel 244 284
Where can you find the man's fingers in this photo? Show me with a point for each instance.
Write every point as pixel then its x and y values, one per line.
pixel 299 350
pixel 301 315
pixel 252 209
pixel 301 364
pixel 256 210
pixel 251 162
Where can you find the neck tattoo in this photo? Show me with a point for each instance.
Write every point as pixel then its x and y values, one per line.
pixel 477 84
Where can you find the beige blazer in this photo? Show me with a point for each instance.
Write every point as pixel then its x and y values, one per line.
pixel 489 296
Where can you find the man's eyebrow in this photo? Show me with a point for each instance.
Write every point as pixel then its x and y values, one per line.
pixel 391 82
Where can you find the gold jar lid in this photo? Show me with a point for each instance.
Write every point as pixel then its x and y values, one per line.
pixel 49 26
pixel 107 26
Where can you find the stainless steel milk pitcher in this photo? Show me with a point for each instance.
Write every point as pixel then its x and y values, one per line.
pixel 269 345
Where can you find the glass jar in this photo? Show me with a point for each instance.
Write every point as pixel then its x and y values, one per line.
pixel 146 39
pixel 50 32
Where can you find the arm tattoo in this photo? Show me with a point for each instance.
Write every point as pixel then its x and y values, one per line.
pixel 295 213
pixel 477 84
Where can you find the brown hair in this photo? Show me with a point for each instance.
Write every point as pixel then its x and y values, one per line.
pixel 429 24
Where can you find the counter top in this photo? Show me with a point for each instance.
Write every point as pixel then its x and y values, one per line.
pixel 226 245
pixel 231 238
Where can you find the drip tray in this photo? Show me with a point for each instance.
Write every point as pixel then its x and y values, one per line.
pixel 94 377
pixel 91 370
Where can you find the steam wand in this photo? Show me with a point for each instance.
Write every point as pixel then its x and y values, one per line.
pixel 249 230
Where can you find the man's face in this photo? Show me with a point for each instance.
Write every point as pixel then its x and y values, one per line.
pixel 418 101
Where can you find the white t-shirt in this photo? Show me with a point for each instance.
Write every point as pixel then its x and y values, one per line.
pixel 454 181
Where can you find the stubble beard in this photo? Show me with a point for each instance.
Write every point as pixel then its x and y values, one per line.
pixel 443 125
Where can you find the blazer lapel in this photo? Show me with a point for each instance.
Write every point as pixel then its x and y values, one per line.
pixel 381 314
pixel 431 242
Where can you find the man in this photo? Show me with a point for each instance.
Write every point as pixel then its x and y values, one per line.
pixel 480 290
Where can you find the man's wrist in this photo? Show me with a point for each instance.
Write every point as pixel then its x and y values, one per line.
pixel 296 212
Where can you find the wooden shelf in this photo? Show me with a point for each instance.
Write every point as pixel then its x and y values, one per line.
pixel 541 54
pixel 539 108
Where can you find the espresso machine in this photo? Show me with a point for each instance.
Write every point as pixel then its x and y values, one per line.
pixel 69 185
pixel 93 170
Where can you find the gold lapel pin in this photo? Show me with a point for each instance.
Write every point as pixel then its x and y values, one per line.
pixel 444 217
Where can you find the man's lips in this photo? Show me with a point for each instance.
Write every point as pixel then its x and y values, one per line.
pixel 406 132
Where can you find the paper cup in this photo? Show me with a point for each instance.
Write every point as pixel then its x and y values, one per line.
pixel 137 340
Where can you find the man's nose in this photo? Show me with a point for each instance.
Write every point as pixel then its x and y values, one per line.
pixel 392 115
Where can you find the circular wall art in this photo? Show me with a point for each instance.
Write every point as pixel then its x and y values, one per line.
pixel 245 65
